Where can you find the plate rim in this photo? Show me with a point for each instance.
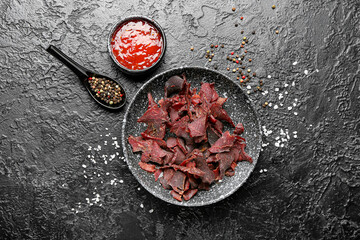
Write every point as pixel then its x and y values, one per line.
pixel 123 140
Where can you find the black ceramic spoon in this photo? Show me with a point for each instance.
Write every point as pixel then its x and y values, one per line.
pixel 84 74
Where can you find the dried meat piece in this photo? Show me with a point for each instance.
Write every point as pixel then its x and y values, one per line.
pixel 168 157
pixel 191 170
pixel 176 195
pixel 243 156
pixel 197 128
pixel 218 112
pixel 147 167
pixel 209 175
pixel 157 174
pixel 175 84
pixel 155 138
pixel 225 160
pixel 181 145
pixel 239 129
pixel 151 102
pixel 189 194
pixel 178 181
pixel 138 144
pixel 208 93
pixel 178 157
pixel 171 142
pixel 155 130
pixel 223 144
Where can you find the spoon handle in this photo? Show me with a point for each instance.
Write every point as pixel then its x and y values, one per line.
pixel 80 71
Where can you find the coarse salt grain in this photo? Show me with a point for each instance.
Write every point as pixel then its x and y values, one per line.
pixel 276 107
pixel 295 113
pixel 277 89
pixel 142 205
pixel 306 72
pixel 295 63
pixel 289 108
pixel 151 210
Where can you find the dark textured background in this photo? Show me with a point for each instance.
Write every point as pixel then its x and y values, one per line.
pixel 62 174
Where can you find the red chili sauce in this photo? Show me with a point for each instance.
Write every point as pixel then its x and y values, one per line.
pixel 137 44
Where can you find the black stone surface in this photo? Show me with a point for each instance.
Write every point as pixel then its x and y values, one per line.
pixel 306 184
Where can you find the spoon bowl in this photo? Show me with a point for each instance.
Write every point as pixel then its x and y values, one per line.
pixel 84 76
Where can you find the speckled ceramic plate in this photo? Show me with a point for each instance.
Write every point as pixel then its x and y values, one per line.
pixel 240 110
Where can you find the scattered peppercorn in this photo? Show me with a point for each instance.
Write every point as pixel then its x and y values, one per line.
pixel 234 70
pixel 209 59
pixel 253 32
pixel 250 60
pixel 242 32
pixel 236 24
pixel 245 51
pixel 254 74
pixel 233 9
pixel 228 68
pixel 222 45
pixel 192 48
pixel 212 45
pixel 273 6
pixel 243 43
pixel 277 31
pixel 244 38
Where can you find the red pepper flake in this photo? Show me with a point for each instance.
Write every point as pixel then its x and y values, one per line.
pixel 237 61
pixel 241 18
pixel 216 46
pixel 243 77
pixel 232 53
pixel 241 46
pixel 98 92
